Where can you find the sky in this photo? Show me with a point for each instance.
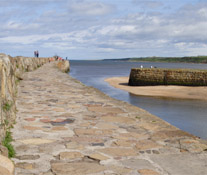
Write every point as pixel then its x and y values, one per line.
pixel 101 29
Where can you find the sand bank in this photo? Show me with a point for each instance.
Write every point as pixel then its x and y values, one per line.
pixel 183 92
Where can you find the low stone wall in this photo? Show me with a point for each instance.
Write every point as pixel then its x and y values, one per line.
pixel 64 66
pixel 11 70
pixel 154 76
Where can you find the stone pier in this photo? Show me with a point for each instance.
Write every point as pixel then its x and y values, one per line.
pixel 66 128
pixel 154 76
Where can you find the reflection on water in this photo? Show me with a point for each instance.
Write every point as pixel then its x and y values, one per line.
pixel 188 115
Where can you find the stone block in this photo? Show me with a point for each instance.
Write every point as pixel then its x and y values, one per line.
pixel 6 166
pixel 76 168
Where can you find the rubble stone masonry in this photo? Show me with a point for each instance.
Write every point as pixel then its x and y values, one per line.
pixel 154 76
pixel 11 71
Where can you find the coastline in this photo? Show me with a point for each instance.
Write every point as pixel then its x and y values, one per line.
pixel 179 92
pixel 73 127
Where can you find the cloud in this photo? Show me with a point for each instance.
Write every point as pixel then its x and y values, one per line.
pixel 12 25
pixel 102 28
pixel 156 31
pixel 151 4
pixel 90 8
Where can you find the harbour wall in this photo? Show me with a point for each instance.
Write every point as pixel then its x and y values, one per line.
pixel 11 71
pixel 154 76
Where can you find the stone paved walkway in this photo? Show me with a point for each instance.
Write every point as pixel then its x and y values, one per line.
pixel 66 128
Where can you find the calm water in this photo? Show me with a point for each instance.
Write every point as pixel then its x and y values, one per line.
pixel 188 115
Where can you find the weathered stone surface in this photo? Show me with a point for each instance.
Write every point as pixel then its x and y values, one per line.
pixel 32 128
pixel 98 156
pixel 47 173
pixel 165 134
pixel 191 145
pixel 6 165
pixel 119 152
pixel 149 126
pixel 30 119
pixel 97 144
pixel 64 66
pixel 70 155
pixel 3 151
pixel 105 109
pixel 86 140
pixel 36 141
pixel 131 136
pixel 25 165
pixel 59 128
pixel 138 164
pixel 148 172
pixel 146 144
pixel 28 157
pixel 79 168
pixel 117 119
pixel 59 109
pixel 74 145
pixel 93 132
pixel 124 143
pixel 190 164
pixel 4 171
pixel 106 126
pixel 26 174
pixel 45 120
pixel 119 170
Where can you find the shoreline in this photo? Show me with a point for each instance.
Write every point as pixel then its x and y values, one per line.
pixel 177 92
pixel 73 127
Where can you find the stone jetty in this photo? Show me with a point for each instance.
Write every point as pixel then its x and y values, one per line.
pixel 66 128
pixel 11 71
pixel 154 76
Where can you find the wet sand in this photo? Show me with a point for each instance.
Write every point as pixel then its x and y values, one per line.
pixel 182 92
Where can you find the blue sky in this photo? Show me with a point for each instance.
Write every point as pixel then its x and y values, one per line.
pixel 97 29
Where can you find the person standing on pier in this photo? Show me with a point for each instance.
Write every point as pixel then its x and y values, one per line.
pixel 37 54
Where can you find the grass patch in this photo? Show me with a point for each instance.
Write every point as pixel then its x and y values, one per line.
pixel 7 143
pixel 6 122
pixel 137 117
pixel 7 106
pixel 193 59
pixel 17 81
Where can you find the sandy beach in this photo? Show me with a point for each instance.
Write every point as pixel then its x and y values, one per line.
pixel 182 92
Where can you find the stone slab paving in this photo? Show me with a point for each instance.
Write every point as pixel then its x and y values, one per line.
pixel 66 128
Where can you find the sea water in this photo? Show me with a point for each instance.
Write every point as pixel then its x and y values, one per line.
pixel 188 115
